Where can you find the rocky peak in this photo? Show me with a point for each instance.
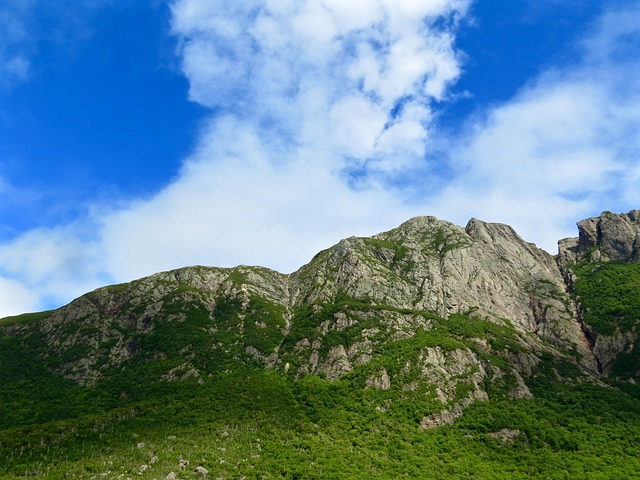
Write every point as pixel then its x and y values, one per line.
pixel 428 264
pixel 610 237
pixel 602 260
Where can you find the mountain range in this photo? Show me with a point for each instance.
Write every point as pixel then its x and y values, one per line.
pixel 428 351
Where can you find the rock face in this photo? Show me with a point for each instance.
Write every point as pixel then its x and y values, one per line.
pixel 453 298
pixel 432 265
pixel 609 237
pixel 104 329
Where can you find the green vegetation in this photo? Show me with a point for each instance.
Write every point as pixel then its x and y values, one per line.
pixel 607 293
pixel 258 424
pixel 443 241
pixel 192 384
pixel 31 394
pixel 25 318
pixel 399 250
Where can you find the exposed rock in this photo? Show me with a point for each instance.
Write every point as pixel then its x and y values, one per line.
pixel 380 381
pixel 354 297
pixel 444 369
pixel 447 416
pixel 568 251
pixel 505 435
pixel 521 390
pixel 609 237
pixel 201 471
pixel 337 363
pixel 181 373
pixel 524 362
pixel 608 347
pixel 432 265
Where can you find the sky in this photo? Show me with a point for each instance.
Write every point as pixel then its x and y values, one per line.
pixel 138 136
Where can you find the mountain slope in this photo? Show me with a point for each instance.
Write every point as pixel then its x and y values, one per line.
pixel 426 329
pixel 602 270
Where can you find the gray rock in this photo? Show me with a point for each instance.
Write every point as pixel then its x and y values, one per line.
pixel 381 381
pixel 505 435
pixel 201 471
pixel 610 237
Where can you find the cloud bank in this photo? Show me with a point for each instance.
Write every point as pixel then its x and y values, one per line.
pixel 324 124
pixel 315 108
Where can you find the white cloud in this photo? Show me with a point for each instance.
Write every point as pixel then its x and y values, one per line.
pixel 16 298
pixel 565 147
pixel 311 96
pixel 242 208
pixel 320 69
pixel 55 263
pixel 301 91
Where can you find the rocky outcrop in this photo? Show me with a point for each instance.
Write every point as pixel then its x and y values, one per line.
pixel 505 435
pixel 100 330
pixel 448 415
pixel 444 369
pixel 609 237
pixel 432 265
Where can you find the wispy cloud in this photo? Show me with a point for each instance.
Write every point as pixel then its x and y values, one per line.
pixel 324 124
pixel 350 81
pixel 22 32
pixel 303 95
pixel 15 41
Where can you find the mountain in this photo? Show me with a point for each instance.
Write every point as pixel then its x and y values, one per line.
pixel 471 344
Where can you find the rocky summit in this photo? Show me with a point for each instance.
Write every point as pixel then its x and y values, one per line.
pixel 428 318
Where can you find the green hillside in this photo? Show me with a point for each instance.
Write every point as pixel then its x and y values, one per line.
pixel 257 423
pixel 336 371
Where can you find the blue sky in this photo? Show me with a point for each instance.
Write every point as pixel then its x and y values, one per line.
pixel 139 136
